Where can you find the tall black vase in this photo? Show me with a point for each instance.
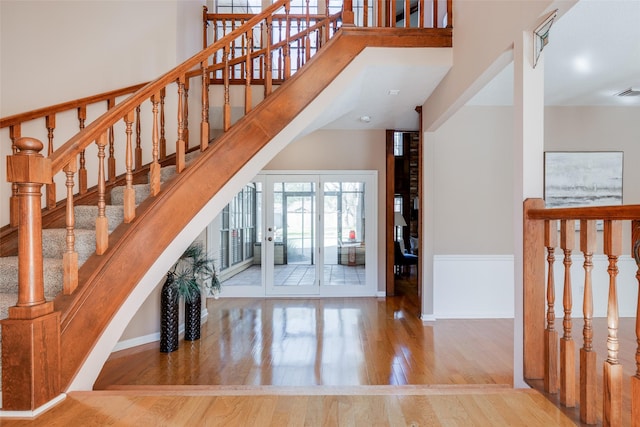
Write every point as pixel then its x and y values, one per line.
pixel 169 310
pixel 192 319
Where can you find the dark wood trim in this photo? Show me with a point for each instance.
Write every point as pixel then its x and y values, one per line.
pixel 623 213
pixel 420 210
pixel 389 225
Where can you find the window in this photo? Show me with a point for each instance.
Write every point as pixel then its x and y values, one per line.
pixel 239 6
pixel 398 146
pixel 238 228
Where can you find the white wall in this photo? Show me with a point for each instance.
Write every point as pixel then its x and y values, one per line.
pixel 472 203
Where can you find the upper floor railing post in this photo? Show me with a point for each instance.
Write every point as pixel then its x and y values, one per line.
pixel 347 13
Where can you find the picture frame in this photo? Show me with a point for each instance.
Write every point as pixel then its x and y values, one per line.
pixel 583 178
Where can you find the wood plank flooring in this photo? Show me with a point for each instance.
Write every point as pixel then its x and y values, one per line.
pixel 343 361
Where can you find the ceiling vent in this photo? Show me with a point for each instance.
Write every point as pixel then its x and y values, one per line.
pixel 632 91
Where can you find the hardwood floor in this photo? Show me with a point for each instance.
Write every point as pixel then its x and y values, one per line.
pixel 346 361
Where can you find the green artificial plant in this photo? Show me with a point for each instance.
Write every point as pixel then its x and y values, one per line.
pixel 193 270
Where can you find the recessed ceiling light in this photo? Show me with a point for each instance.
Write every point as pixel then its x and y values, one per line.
pixel 365 119
pixel 394 91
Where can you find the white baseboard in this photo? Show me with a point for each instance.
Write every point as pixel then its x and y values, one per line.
pixel 381 294
pixel 32 414
pixel 146 339
pixel 427 317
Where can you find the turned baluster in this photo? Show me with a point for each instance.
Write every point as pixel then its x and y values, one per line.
pixel 185 130
pixel 407 13
pixel 347 13
pixel 129 191
pixel 612 378
pixel 286 48
pixel 163 139
pixel 435 14
pixel 248 71
pixel 70 256
pixel 326 28
pixel 551 335
pixel 421 13
pixel 365 13
pixel 587 355
pixel 379 9
pixel 567 345
pixel 138 139
pixel 51 188
pixel 112 158
pixel 300 47
pixel 102 229
pixel 180 144
pixel 226 113
pixel 449 13
pixel 14 133
pixel 635 380
pixel 82 172
pixel 154 168
pixel 268 59
pixel 204 126
pixel 29 170
pixel 308 36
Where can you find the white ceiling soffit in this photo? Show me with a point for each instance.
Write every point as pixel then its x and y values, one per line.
pixel 411 72
pixel 593 54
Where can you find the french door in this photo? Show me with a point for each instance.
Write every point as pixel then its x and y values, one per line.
pixel 316 236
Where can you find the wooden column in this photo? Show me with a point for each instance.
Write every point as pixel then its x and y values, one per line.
pixel 567 345
pixel 612 376
pixel 550 334
pixel 31 333
pixel 635 380
pixel 588 389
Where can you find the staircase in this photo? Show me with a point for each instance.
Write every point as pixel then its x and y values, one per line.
pixel 120 265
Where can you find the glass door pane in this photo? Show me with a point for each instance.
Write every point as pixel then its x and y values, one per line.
pixel 344 234
pixel 291 237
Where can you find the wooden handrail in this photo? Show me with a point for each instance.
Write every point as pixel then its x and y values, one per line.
pixel 83 139
pixel 16 119
pixel 622 213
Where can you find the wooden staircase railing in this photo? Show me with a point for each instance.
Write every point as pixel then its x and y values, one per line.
pixel 28 384
pixel 558 367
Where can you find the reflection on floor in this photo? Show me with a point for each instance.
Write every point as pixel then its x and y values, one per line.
pixel 301 275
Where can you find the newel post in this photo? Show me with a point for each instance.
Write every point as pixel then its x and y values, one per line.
pixel 31 333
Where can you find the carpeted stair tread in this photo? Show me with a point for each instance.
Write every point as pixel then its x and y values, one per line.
pixel 54 243
pixel 142 191
pixel 85 216
pixel 53 272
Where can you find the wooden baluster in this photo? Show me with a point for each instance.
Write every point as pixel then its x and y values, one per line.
pixel 407 13
pixel 449 13
pixel 185 132
pixel 421 13
pixel 51 188
pixel 82 172
pixel 163 139
pixel 226 113
pixel 327 24
pixel 180 144
pixel 435 15
pixel 102 228
pixel 347 13
pixel 287 46
pixel 268 60
pixel 31 333
pixel 379 10
pixel 587 355
pixel 365 14
pixel 112 158
pixel 248 71
pixel 301 47
pixel 392 13
pixel 154 169
pixel 204 126
pixel 567 345
pixel 70 257
pixel 205 24
pixel 138 139
pixel 612 378
pixel 15 132
pixel 635 380
pixel 308 37
pixel 550 334
pixel 129 191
